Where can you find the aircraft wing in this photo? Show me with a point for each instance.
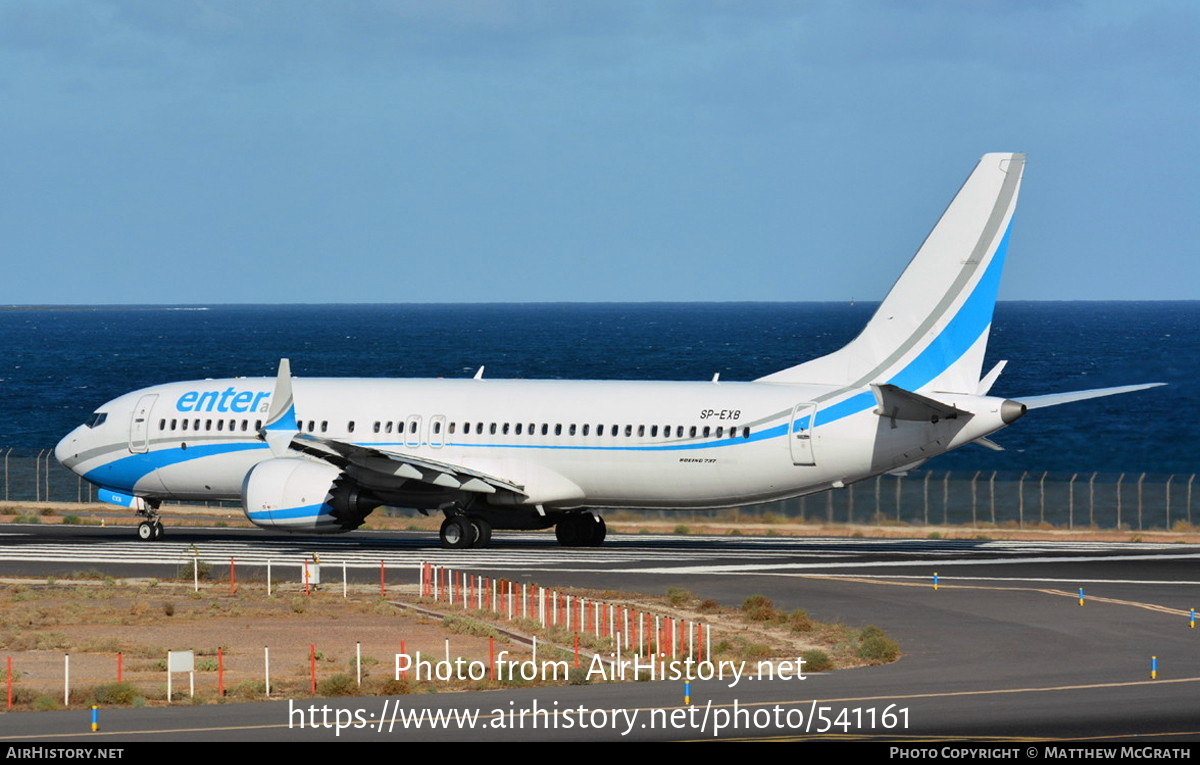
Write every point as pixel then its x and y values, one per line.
pixel 396 465
pixel 376 467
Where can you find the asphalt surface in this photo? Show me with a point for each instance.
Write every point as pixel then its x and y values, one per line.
pixel 1001 650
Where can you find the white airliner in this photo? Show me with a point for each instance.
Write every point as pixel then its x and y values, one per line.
pixel 318 455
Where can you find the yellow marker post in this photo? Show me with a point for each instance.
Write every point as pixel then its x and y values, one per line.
pixel 95 718
pixel 1081 596
pixel 1153 667
pixel 935 580
pixel 687 692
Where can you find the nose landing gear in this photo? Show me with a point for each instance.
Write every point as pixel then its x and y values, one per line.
pixel 151 529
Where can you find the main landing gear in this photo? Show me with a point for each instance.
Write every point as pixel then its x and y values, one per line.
pixel 581 530
pixel 151 529
pixel 460 532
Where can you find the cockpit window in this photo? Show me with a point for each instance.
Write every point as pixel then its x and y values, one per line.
pixel 97 419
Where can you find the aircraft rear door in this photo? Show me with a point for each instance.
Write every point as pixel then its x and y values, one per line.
pixel 139 424
pixel 800 434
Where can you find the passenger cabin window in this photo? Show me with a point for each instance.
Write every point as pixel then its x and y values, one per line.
pixel 350 426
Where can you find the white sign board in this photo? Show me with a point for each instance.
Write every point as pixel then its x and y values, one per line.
pixel 181 661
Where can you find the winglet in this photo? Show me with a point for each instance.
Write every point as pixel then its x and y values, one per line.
pixel 281 425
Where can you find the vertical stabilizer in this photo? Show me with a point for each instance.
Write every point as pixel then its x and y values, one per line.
pixel 931 331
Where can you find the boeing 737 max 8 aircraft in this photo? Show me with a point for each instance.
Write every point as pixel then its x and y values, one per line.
pixel 318 455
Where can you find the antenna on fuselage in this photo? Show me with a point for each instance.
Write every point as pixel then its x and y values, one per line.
pixel 479 374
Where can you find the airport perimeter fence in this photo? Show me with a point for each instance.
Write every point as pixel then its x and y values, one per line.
pixel 979 498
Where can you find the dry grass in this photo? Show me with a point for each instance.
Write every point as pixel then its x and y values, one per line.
pixel 95 620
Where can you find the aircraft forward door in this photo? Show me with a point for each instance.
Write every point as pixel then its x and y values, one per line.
pixel 139 424
pixel 804 417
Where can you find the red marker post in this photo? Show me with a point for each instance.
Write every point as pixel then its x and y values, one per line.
pixel 312 664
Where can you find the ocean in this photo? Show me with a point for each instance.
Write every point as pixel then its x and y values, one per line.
pixel 62 363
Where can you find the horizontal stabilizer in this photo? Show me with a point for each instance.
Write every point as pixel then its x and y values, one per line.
pixel 899 404
pixel 1054 399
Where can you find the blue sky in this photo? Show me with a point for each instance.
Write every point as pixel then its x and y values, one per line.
pixel 474 151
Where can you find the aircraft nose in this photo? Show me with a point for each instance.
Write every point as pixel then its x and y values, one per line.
pixel 66 452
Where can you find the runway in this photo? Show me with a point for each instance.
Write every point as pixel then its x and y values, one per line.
pixel 62 549
pixel 1001 650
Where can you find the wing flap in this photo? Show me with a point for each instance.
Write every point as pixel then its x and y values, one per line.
pixel 408 466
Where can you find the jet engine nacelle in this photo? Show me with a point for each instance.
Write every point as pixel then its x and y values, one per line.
pixel 294 494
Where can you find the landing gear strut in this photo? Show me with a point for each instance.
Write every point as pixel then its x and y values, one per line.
pixel 151 529
pixel 582 530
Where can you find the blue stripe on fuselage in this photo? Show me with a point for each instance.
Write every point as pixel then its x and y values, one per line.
pixel 124 473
